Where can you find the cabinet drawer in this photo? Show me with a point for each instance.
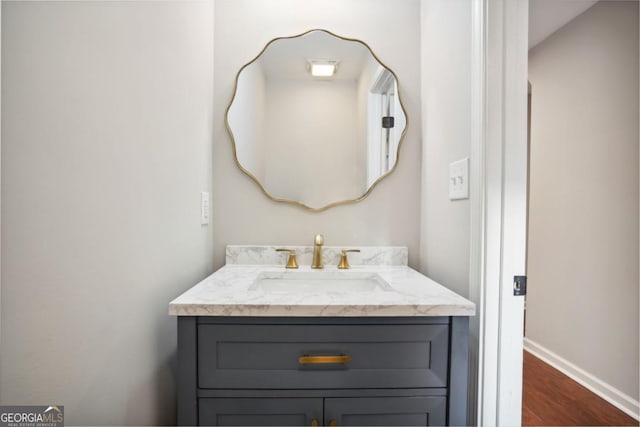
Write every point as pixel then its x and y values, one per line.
pixel 268 356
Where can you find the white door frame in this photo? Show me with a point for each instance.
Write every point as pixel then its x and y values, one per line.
pixel 498 208
pixel 0 190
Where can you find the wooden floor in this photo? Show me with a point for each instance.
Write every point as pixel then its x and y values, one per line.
pixel 550 398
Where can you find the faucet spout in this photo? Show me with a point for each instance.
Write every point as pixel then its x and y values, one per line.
pixel 318 241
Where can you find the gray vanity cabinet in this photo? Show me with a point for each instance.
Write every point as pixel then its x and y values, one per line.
pixel 322 371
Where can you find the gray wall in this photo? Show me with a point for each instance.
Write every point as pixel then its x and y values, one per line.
pixel 391 214
pixel 446 124
pixel 583 226
pixel 107 124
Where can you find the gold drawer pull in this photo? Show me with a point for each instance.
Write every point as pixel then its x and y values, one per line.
pixel 323 360
pixel 333 423
pixel 314 423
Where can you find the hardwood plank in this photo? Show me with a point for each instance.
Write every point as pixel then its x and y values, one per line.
pixel 529 418
pixel 551 398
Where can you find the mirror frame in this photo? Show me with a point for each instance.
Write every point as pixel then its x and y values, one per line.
pixel 295 202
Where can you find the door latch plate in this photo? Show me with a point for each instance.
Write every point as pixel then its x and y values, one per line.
pixel 519 285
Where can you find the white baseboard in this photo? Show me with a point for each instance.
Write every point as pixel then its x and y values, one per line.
pixel 612 395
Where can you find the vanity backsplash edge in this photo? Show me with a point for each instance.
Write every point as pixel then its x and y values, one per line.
pixel 267 255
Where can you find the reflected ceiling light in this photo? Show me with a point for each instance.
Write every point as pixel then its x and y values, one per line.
pixel 320 68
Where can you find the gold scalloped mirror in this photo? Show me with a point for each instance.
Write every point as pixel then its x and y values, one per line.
pixel 316 120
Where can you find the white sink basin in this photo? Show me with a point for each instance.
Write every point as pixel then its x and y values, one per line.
pixel 304 282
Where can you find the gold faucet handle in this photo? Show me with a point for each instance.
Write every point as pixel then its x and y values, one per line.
pixel 291 261
pixel 344 262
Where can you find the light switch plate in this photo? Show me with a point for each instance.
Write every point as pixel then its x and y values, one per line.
pixel 204 208
pixel 459 179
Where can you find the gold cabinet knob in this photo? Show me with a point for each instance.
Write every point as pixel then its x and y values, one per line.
pixel 344 262
pixel 333 423
pixel 291 261
pixel 314 422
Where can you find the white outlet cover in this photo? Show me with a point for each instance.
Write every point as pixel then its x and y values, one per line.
pixel 459 179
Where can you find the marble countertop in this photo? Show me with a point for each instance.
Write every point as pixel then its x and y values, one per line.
pixel 231 291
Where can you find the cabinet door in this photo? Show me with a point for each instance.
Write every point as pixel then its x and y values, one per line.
pixel 386 411
pixel 260 412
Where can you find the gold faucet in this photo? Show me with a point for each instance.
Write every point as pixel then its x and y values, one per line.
pixel 318 241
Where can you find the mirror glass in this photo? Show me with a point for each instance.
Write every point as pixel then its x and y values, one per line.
pixel 316 141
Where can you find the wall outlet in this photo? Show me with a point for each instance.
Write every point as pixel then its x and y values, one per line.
pixel 459 179
pixel 204 208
